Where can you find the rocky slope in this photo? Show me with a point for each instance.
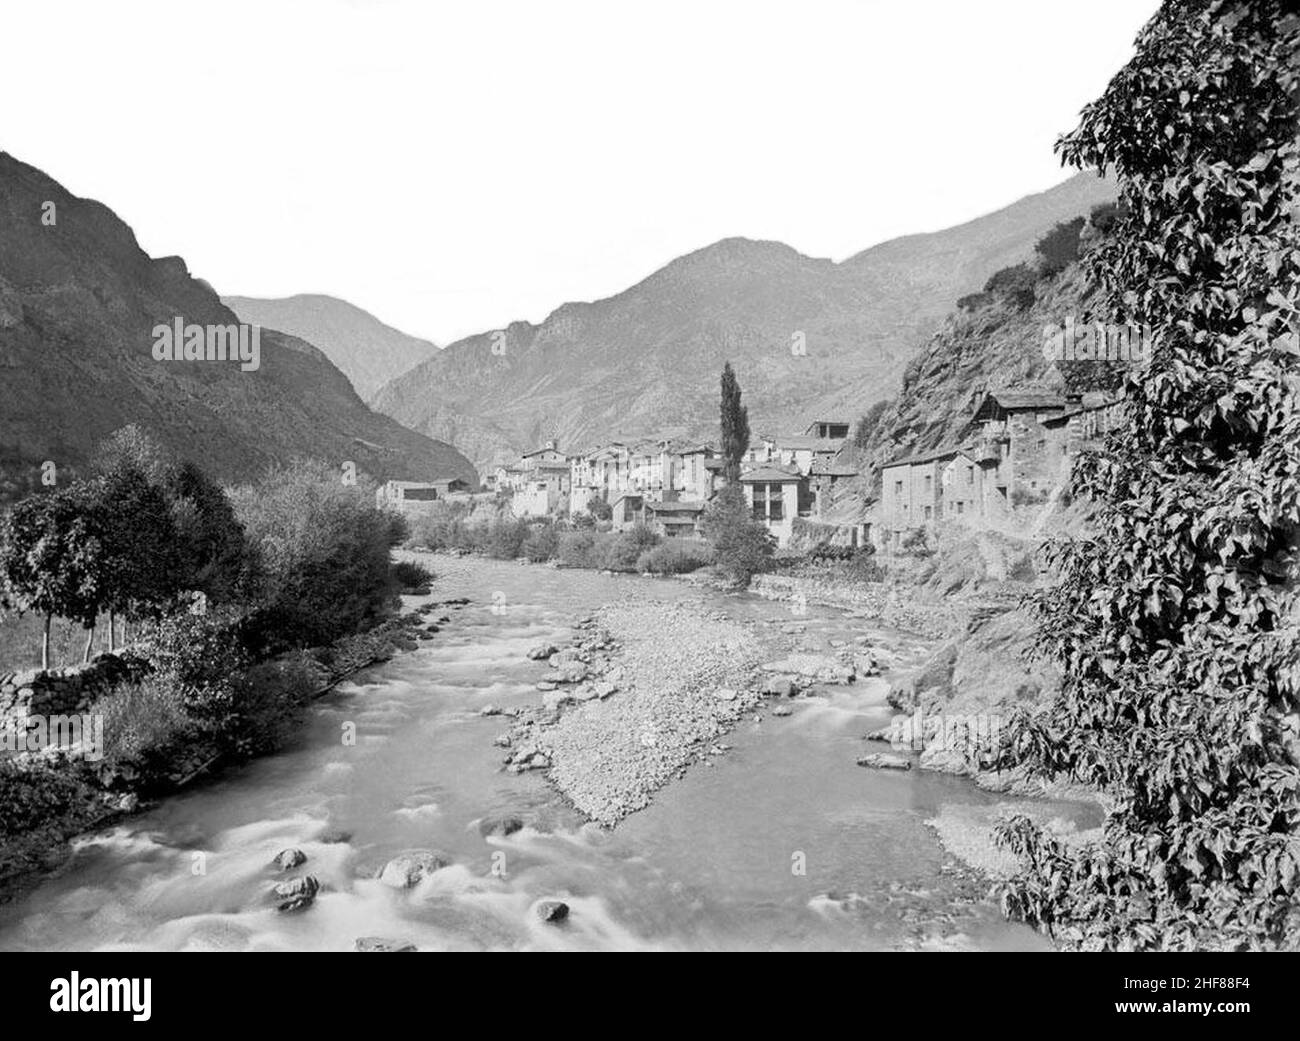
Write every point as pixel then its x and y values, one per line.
pixel 78 302
pixel 805 335
pixel 993 344
pixel 368 352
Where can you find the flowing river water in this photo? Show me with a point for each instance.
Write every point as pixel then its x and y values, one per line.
pixel 782 843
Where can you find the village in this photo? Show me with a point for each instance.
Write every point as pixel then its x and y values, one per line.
pixel 1007 470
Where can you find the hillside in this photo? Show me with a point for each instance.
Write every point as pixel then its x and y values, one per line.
pixel 78 303
pixel 994 344
pixel 647 360
pixel 368 352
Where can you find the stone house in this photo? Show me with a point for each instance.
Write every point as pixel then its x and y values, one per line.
pixel 773 495
pixel 828 429
pixel 414 495
pixel 680 519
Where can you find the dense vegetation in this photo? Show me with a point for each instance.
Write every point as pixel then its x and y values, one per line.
pixel 1175 623
pixel 222 590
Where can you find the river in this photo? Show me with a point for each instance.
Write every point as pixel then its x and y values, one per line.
pixel 782 843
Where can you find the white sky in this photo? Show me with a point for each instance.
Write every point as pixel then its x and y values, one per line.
pixel 455 166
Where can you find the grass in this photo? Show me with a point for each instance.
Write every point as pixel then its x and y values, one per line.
pixel 20 642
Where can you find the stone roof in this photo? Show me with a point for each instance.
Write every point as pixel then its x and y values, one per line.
pixel 769 475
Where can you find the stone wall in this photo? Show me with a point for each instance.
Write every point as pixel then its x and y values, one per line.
pixel 65 691
pixel 895 607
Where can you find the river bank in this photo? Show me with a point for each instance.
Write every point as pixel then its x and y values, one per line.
pixel 782 842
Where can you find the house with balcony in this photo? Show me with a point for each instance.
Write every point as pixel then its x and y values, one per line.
pixel 772 494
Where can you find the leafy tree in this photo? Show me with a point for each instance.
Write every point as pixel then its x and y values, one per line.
pixel 50 561
pixel 1176 622
pixel 1013 284
pixel 1059 248
pixel 138 544
pixel 741 546
pixel 735 425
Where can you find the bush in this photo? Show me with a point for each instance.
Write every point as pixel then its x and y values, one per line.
pixel 34 793
pixel 577 548
pixel 1013 284
pixel 1059 248
pixel 145 722
pixel 505 538
pixel 674 558
pixel 324 548
pixel 542 544
pixel 742 547
pixel 411 575
pixel 271 705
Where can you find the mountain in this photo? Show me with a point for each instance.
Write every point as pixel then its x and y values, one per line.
pixel 369 352
pixel 805 336
pixel 79 300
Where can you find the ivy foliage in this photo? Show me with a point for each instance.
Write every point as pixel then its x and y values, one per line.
pixel 1176 622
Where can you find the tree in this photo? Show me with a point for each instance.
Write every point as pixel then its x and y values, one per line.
pixel 51 562
pixel 735 426
pixel 139 548
pixel 742 547
pixel 1059 248
pixel 1175 623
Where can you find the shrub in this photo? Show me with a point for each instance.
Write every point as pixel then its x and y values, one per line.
pixel 742 547
pixel 324 548
pixel 1013 284
pixel 145 722
pixel 576 548
pixel 505 538
pixel 34 793
pixel 411 575
pixel 1059 248
pixel 674 558
pixel 542 543
pixel 271 705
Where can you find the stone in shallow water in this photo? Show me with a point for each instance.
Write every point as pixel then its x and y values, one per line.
pixel 885 761
pixel 505 824
pixel 383 943
pixel 552 910
pixel 407 869
pixel 287 859
pixel 296 894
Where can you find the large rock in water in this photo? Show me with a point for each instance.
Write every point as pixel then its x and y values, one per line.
pixel 885 761
pixel 295 894
pixel 287 859
pixel 408 869
pixel 383 943
pixel 504 824
pixel 542 652
pixel 552 910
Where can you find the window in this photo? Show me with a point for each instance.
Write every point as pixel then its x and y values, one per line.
pixel 929 483
pixel 898 487
pixel 769 504
pixel 960 506
pixel 929 512
pixel 970 475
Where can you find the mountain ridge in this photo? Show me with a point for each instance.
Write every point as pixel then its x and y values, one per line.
pixel 79 300
pixel 646 360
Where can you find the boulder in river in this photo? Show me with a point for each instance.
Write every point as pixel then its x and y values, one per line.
pixel 502 824
pixel 552 910
pixel 287 859
pixel 885 761
pixel 296 894
pixel 383 943
pixel 541 652
pixel 408 869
